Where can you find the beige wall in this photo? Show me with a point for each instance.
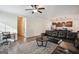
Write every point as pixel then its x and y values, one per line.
pixel 35 26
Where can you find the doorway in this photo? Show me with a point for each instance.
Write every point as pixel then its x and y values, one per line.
pixel 21 28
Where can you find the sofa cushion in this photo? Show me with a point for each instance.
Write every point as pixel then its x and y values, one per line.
pixel 62 33
pixel 71 35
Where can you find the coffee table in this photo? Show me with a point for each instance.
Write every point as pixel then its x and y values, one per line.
pixel 42 41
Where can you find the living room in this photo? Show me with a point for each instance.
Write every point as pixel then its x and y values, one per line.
pixel 36 20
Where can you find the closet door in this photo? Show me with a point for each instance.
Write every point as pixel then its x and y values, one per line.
pixel 20 34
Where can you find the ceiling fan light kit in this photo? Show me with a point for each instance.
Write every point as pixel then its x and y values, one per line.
pixel 35 10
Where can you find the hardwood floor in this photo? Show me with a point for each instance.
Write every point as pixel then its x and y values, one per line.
pixel 32 38
pixel 30 47
pixel 27 48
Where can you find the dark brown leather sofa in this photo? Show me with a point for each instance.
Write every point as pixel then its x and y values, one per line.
pixel 57 35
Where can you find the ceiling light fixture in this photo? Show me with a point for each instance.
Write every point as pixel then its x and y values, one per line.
pixel 35 10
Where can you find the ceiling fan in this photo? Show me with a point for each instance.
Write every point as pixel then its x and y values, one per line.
pixel 36 8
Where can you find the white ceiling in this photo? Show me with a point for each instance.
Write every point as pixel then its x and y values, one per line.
pixel 50 10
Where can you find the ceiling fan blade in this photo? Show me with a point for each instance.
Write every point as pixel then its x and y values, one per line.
pixel 28 9
pixel 32 6
pixel 41 8
pixel 35 6
pixel 39 11
pixel 32 12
